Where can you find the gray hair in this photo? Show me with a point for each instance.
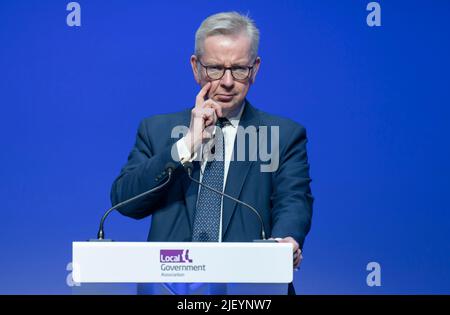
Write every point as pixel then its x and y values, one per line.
pixel 227 23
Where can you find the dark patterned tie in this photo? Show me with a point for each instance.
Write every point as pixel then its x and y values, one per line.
pixel 207 214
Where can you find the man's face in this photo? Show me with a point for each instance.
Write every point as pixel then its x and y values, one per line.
pixel 226 51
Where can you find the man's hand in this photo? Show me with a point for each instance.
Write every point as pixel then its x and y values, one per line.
pixel 203 115
pixel 297 251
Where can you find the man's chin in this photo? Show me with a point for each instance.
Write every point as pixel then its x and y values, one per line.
pixel 229 108
pixel 226 105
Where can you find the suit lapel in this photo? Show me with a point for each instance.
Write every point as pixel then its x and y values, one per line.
pixel 238 170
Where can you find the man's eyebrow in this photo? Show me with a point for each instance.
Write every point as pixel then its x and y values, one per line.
pixel 236 64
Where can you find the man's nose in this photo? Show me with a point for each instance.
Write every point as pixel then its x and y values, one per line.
pixel 227 79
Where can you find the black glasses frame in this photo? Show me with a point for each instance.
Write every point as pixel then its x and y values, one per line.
pixel 250 68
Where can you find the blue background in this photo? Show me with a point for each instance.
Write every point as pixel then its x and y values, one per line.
pixel 375 102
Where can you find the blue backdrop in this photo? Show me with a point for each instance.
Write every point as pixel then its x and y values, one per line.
pixel 375 102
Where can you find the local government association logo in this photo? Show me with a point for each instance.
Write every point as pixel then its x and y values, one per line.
pixel 174 262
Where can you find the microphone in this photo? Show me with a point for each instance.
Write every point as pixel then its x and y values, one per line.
pixel 170 167
pixel 188 167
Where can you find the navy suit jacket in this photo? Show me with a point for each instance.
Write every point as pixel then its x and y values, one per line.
pixel 283 198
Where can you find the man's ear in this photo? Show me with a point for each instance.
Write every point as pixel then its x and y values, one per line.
pixel 255 69
pixel 194 66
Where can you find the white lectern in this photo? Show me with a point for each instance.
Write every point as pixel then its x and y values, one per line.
pixel 229 268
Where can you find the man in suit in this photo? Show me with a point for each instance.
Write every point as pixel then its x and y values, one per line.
pixel 225 65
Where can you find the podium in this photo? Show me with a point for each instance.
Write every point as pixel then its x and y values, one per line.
pixel 223 268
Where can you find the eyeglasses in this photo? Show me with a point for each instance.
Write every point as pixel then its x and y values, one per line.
pixel 216 72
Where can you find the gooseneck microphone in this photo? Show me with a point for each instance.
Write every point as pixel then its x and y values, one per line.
pixel 188 166
pixel 170 167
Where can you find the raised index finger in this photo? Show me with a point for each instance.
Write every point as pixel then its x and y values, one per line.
pixel 201 95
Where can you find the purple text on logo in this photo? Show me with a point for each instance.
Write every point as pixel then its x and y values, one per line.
pixel 174 256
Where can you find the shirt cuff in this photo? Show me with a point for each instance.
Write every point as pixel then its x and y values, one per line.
pixel 184 154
